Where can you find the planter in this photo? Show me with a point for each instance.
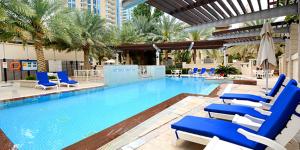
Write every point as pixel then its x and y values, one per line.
pixel 245 82
pixel 27 83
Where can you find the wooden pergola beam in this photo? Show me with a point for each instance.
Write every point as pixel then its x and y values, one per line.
pixel 182 9
pixel 264 14
pixel 205 44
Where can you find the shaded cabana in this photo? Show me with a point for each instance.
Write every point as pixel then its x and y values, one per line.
pixel 153 50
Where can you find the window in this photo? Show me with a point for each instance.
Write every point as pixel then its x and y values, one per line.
pixel 71 4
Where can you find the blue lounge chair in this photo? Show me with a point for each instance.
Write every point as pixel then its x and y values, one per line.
pixel 43 81
pixel 255 98
pixel 215 109
pixel 278 129
pixel 203 70
pixel 212 71
pixel 64 79
pixel 195 71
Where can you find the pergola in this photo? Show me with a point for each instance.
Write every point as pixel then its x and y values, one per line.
pixel 251 34
pixel 205 44
pixel 205 13
pixel 216 13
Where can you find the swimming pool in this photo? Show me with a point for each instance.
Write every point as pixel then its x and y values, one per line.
pixel 58 120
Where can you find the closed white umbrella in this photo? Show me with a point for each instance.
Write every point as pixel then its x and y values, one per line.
pixel 266 53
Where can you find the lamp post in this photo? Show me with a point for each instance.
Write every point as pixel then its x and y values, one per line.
pixel 27 53
pixel 4 63
pixel 76 62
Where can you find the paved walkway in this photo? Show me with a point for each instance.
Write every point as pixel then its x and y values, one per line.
pixel 13 90
pixel 155 133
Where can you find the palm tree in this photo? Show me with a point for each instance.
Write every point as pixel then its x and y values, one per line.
pixel 129 34
pixel 146 27
pixel 34 20
pixel 168 30
pixel 78 30
pixel 244 52
pixel 8 31
pixel 197 35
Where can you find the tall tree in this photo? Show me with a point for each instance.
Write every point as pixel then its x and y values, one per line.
pixel 168 30
pixel 78 30
pixel 197 35
pixel 34 20
pixel 148 11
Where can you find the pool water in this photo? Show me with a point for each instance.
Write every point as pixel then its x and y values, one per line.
pixel 58 120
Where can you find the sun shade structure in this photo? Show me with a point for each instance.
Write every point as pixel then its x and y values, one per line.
pixel 205 13
pixel 281 29
pixel 266 53
pixel 205 44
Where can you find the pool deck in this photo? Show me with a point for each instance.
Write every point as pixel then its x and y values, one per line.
pixel 12 91
pixel 155 133
pixel 152 132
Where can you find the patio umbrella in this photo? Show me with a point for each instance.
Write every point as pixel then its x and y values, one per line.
pixel 266 53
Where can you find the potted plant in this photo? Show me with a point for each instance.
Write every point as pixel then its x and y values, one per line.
pixel 224 71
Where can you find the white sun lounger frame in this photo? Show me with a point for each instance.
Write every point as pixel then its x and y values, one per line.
pixel 280 141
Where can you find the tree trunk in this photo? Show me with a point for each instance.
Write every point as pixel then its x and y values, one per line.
pixel 194 56
pixel 40 56
pixel 86 58
pixel 166 55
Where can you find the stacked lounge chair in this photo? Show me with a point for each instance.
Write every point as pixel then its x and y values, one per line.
pixel 43 81
pixel 275 131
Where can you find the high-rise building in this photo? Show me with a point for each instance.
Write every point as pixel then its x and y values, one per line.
pixel 127 14
pixel 110 10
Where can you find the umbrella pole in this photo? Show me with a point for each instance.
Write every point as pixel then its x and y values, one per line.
pixel 267 75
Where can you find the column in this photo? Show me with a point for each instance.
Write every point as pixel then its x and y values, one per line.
pixel 127 58
pixel 117 58
pixel 157 57
pixel 157 53
pixel 298 44
pixel 225 57
pixel 289 59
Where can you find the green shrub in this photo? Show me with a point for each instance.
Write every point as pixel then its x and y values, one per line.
pixel 226 70
pixel 52 77
pixel 185 70
pixel 30 78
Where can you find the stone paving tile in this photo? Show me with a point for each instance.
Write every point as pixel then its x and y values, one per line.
pixel 161 136
pixel 15 91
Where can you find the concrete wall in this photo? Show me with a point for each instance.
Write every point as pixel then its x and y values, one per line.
pixel 289 61
pixel 15 52
pixel 18 51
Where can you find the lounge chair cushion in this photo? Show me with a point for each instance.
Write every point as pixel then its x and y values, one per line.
pixel 249 97
pixel 234 109
pixel 71 82
pixel 43 79
pixel 211 127
pixel 63 77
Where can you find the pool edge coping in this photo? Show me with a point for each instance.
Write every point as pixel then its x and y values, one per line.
pixel 89 143
pixel 50 93
pixel 105 136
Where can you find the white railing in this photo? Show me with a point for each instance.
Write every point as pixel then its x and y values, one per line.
pixel 88 74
